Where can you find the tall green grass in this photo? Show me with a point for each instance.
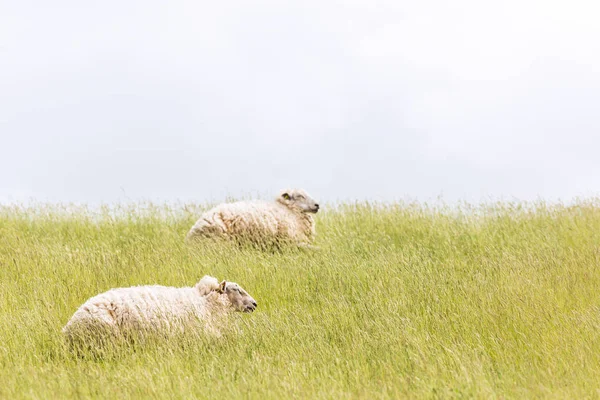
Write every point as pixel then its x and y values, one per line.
pixel 402 300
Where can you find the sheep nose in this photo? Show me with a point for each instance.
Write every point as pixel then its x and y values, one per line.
pixel 254 304
pixel 316 205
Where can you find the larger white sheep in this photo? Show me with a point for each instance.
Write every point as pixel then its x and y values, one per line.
pixel 159 309
pixel 288 218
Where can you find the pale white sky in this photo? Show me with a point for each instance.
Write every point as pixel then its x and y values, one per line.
pixel 196 100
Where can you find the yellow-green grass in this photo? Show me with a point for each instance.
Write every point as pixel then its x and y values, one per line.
pixel 401 301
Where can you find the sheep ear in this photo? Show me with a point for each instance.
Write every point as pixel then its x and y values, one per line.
pixel 221 288
pixel 286 196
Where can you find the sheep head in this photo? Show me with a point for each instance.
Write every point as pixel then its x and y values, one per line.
pixel 238 297
pixel 298 199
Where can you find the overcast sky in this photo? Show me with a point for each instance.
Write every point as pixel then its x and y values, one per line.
pixel 197 100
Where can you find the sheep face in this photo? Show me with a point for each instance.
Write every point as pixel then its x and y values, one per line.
pixel 299 200
pixel 238 297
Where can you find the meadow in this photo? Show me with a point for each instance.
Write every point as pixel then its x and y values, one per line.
pixel 402 300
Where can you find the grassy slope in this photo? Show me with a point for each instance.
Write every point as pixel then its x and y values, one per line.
pixel 403 300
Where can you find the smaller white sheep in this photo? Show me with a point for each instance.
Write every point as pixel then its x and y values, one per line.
pixel 158 309
pixel 288 218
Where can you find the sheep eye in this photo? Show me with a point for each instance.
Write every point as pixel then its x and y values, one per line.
pixel 301 197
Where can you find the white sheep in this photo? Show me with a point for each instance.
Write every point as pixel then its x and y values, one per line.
pixel 288 218
pixel 159 309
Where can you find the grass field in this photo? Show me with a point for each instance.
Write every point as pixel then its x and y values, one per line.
pixel 402 301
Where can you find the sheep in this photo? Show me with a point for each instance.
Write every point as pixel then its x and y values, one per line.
pixel 287 219
pixel 154 309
